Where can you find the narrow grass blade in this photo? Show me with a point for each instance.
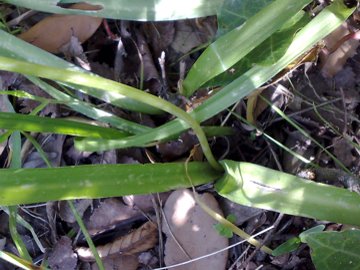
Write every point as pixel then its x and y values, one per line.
pixel 32 123
pixel 19 262
pixel 257 186
pixel 22 186
pixel 87 236
pixel 89 110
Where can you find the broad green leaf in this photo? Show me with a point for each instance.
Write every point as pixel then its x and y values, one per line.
pixel 31 123
pixel 257 186
pixel 13 47
pixel 319 27
pixel 335 250
pixel 233 46
pixel 140 10
pixel 22 186
pixel 267 53
pixel 234 13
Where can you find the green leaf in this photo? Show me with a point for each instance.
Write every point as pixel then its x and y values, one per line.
pixel 294 242
pixel 315 229
pixel 335 250
pixel 141 10
pixel 23 186
pixel 233 13
pixel 256 186
pixel 287 247
pixel 223 230
pixel 32 123
pixel 267 53
pixel 233 46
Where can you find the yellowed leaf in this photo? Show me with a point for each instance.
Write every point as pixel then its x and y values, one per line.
pixel 55 31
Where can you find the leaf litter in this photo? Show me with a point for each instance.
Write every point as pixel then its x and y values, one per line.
pixel 127 234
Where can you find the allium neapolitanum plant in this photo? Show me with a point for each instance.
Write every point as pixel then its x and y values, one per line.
pixel 281 23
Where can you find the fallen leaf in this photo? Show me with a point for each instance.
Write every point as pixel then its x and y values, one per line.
pixel 141 239
pixel 332 63
pixel 110 212
pixel 67 215
pixel 55 31
pixel 121 262
pixel 63 257
pixel 193 230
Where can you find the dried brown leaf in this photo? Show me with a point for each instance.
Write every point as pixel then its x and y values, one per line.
pixel 332 63
pixel 141 239
pixel 55 31
pixel 63 257
pixel 110 212
pixel 121 262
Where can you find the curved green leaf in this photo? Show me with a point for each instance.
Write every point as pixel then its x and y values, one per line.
pixel 260 187
pixel 233 46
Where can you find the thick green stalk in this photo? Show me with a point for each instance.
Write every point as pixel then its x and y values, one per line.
pixel 22 186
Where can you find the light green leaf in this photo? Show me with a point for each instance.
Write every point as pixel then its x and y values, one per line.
pixel 335 250
pixel 223 230
pixel 23 186
pixel 294 242
pixel 140 10
pixel 233 46
pixel 267 53
pixel 256 186
pixel 287 247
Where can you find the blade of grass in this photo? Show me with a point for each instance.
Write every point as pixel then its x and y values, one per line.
pixel 87 235
pixel 15 163
pixel 19 262
pixel 319 27
pixel 303 132
pixel 282 146
pixel 32 123
pixel 89 110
